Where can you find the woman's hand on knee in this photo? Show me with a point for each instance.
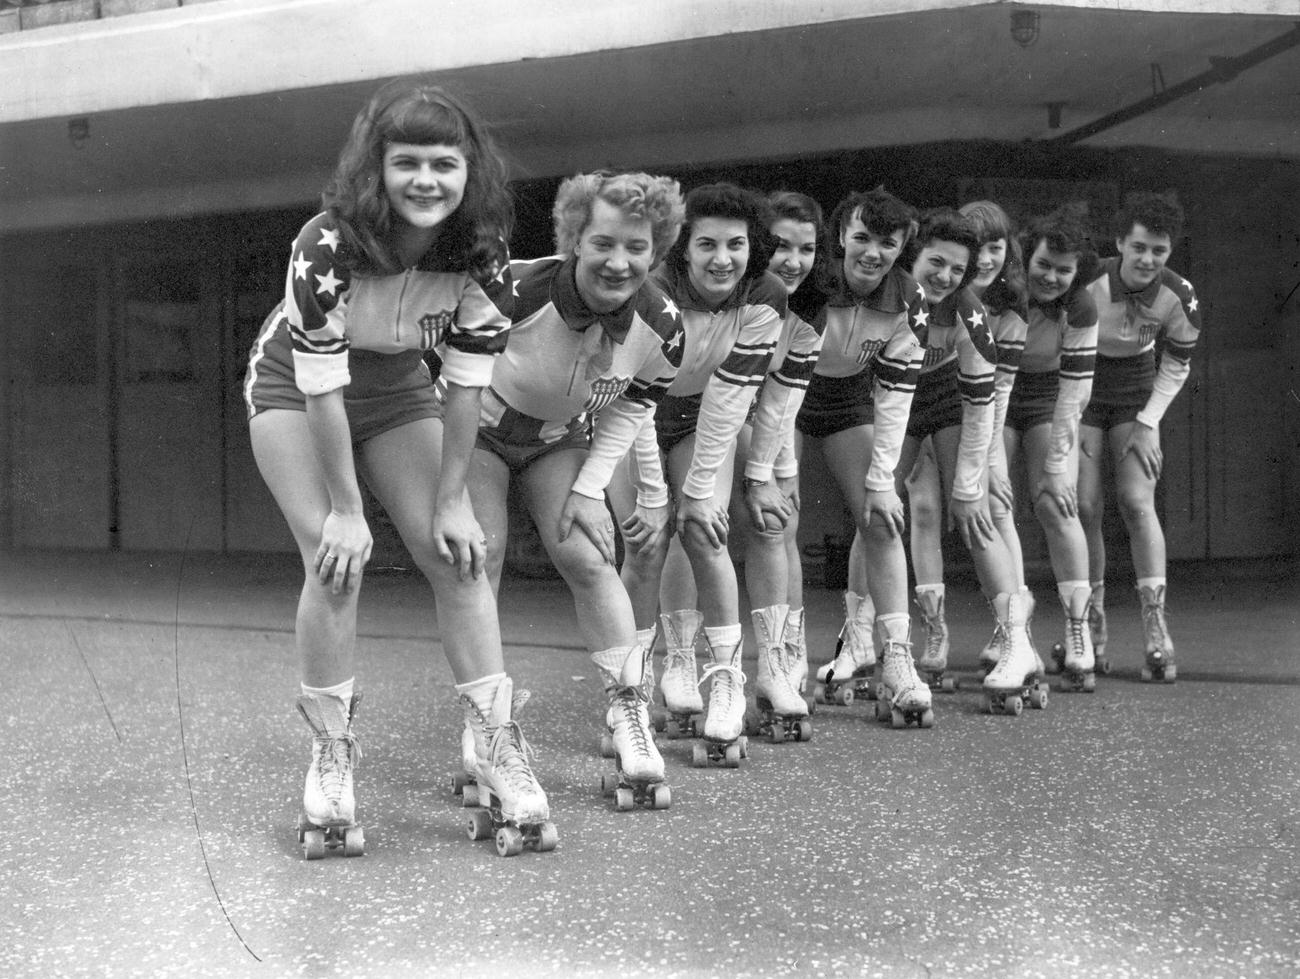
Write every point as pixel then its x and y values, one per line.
pixel 709 520
pixel 458 538
pixel 883 509
pixel 973 523
pixel 1060 494
pixel 592 517
pixel 767 506
pixel 1144 443
pixel 646 528
pixel 344 550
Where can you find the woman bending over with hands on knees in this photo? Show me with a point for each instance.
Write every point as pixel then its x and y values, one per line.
pixel 407 256
pixel 732 311
pixel 1048 399
pixel 858 405
pixel 592 341
pixel 1140 302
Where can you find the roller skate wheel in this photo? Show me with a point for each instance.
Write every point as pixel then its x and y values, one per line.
pixel 805 730
pixel 458 783
pixel 844 695
pixel 819 694
pixel 479 826
pixel 548 837
pixel 469 796
pixel 606 745
pixel 1147 675
pixel 1038 697
pixel 313 844
pixel 896 718
pixel 744 746
pixel 699 755
pixel 927 718
pixel 661 797
pixel 624 800
pixel 304 824
pixel 1013 705
pixel 948 684
pixel 731 757
pixel 1171 673
pixel 354 842
pixel 608 784
pixel 510 841
pixel 986 704
pixel 776 733
pixel 1103 666
pixel 883 711
pixel 1089 683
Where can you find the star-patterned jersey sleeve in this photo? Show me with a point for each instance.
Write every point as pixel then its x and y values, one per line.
pixel 316 296
pixel 616 425
pixel 1078 360
pixel 896 366
pixel 772 447
pixel 976 374
pixel 481 327
pixel 1009 334
pixel 730 390
pixel 1181 329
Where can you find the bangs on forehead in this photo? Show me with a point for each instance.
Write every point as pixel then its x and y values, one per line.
pixel 880 221
pixel 423 123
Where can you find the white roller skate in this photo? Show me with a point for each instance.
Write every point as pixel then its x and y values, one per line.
pixel 903 697
pixel 780 713
pixel 1159 663
pixel 722 741
pixel 679 685
pixel 849 674
pixel 1017 679
pixel 515 809
pixel 933 663
pixel 1078 665
pixel 1097 628
pixel 328 820
pixel 639 778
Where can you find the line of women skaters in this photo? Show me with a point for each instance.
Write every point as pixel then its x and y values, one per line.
pixel 674 348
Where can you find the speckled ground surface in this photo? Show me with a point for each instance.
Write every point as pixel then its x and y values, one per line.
pixel 154 764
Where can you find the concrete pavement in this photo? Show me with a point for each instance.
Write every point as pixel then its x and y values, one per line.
pixel 154 766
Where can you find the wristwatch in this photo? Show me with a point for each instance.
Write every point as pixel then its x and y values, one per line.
pixel 747 482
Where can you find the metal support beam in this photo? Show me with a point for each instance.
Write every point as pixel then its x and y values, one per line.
pixel 1222 70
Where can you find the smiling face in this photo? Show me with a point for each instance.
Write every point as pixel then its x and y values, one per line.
pixel 868 256
pixel 988 264
pixel 796 247
pixel 1142 255
pixel 613 256
pixel 939 268
pixel 717 255
pixel 424 183
pixel 1050 274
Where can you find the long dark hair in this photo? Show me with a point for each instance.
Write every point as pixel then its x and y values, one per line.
pixel 473 238
pixel 1007 290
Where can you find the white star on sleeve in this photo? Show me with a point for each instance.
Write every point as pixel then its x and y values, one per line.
pixel 670 308
pixel 1193 304
pixel 300 266
pixel 676 341
pixel 327 283
pixel 976 319
pixel 330 238
pixel 922 317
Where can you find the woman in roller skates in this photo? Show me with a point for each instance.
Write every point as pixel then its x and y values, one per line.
pixel 858 405
pixel 773 569
pixel 408 255
pixel 732 310
pixel 954 408
pixel 1140 303
pixel 999 282
pixel 1050 392
pixel 591 341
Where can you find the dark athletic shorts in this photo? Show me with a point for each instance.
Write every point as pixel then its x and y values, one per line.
pixel 1120 389
pixel 836 404
pixel 1033 399
pixel 937 402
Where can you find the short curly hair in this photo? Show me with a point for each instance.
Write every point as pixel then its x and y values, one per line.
pixel 1065 230
pixel 879 210
pixel 725 200
pixel 637 195
pixel 1160 214
pixel 944 224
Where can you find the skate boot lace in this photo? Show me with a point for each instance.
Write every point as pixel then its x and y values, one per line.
pixel 1153 617
pixel 733 679
pixel 1076 637
pixel 509 753
pixel 335 759
pixel 629 701
pixel 896 659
